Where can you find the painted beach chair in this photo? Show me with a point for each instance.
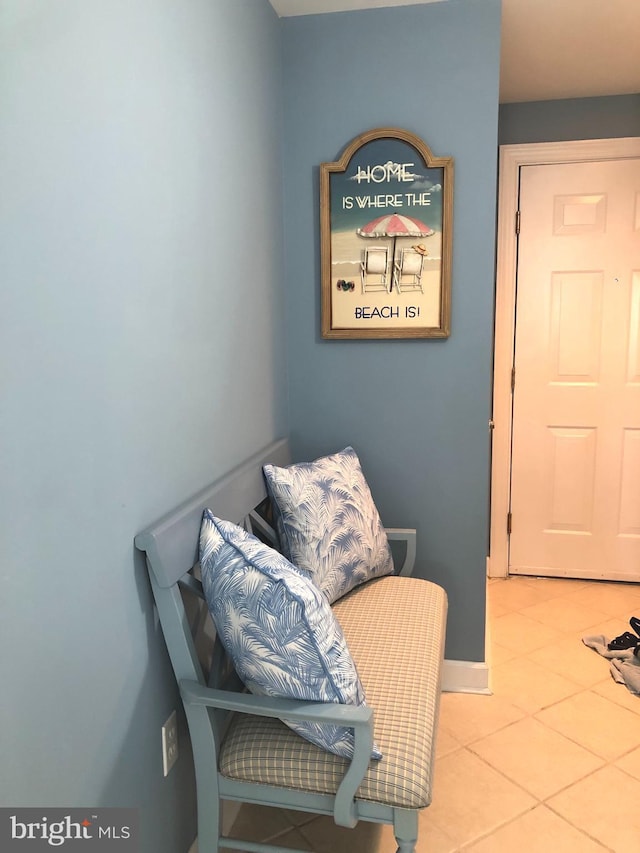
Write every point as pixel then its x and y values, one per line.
pixel 373 269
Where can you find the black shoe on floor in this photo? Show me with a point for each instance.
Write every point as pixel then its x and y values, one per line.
pixel 624 641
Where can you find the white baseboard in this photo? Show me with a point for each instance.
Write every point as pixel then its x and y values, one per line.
pixel 464 676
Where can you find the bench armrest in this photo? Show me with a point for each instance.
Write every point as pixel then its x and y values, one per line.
pixel 407 535
pixel 357 717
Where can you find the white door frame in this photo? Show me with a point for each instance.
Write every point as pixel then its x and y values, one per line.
pixel 512 157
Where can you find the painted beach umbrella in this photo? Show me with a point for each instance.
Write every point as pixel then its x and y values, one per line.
pixel 395 225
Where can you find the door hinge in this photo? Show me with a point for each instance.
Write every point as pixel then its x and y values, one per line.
pixel 517 221
pixel 508 524
pixel 492 425
pixel 513 379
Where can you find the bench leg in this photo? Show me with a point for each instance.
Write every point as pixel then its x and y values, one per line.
pixel 207 791
pixel 209 819
pixel 405 829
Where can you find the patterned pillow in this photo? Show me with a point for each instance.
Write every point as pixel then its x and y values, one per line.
pixel 277 628
pixel 327 522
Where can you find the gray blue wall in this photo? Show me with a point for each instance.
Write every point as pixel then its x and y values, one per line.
pixel 146 303
pixel 142 352
pixel 576 118
pixel 416 411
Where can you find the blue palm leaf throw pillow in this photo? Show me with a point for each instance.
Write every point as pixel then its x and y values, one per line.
pixel 277 628
pixel 327 522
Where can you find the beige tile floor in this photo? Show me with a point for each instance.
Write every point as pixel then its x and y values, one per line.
pixel 549 763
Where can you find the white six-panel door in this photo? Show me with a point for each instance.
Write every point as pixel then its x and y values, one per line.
pixel 575 464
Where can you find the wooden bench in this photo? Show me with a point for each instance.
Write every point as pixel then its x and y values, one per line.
pixel 395 630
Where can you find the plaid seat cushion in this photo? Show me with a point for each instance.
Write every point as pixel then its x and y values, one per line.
pixel 395 630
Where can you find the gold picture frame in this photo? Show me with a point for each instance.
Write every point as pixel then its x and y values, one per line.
pixel 386 212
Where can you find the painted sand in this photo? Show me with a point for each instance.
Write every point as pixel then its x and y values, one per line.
pixel 375 309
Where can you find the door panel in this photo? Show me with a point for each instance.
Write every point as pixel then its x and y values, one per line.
pixel 575 328
pixel 575 475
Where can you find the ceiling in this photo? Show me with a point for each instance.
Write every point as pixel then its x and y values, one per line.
pixel 550 48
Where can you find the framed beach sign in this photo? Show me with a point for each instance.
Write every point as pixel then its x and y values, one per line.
pixel 385 222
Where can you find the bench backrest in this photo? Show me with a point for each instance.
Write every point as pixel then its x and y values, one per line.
pixel 171 547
